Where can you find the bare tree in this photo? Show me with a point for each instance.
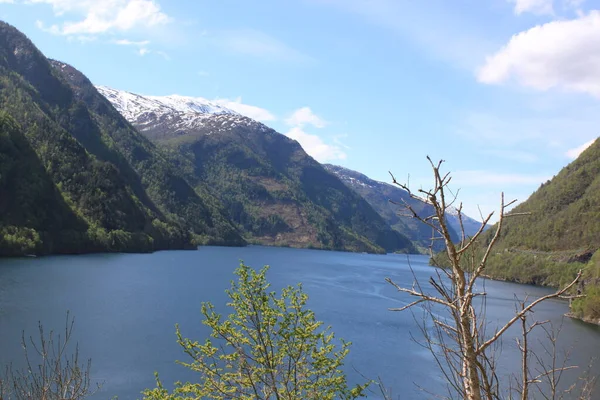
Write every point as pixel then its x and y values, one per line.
pixel 454 324
pixel 52 370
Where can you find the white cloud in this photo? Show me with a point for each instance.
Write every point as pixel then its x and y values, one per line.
pixel 315 146
pixel 162 54
pixel 254 112
pixel 304 116
pixel 104 16
pixel 259 44
pixel 560 54
pixel 203 73
pixel 539 7
pixel 575 152
pixel 82 38
pixel 126 42
pixel 142 46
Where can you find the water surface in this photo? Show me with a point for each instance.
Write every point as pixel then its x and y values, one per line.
pixel 126 307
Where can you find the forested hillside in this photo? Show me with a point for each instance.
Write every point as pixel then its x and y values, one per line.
pixel 560 236
pixel 272 190
pixel 76 177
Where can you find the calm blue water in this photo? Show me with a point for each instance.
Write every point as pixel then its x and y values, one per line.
pixel 126 307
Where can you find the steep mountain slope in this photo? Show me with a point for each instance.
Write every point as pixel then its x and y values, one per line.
pixel 565 211
pixel 560 236
pixel 379 194
pixel 108 187
pixel 197 209
pixel 270 187
pixel 30 203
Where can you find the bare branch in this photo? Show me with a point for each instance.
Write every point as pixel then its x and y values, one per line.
pixel 423 297
pixel 526 309
pixel 464 352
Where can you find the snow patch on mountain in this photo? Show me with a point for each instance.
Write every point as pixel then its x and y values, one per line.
pixel 131 105
pixel 177 115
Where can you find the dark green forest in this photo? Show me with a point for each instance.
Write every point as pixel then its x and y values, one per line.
pixel 76 177
pixel 273 191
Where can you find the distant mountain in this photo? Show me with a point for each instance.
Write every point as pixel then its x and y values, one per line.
pixel 470 225
pixel 76 177
pixel 272 190
pixel 378 195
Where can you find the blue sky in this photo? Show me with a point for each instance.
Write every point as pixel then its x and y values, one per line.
pixel 506 91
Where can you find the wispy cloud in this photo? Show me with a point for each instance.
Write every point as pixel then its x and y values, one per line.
pixel 89 20
pixel 513 155
pixel 576 152
pixel 311 143
pixel 315 146
pixel 126 42
pixel 539 7
pixel 203 73
pixel 491 178
pixel 444 33
pixel 304 116
pixel 142 47
pixel 101 17
pixel 259 44
pixel 507 131
pixel 559 54
pixel 144 50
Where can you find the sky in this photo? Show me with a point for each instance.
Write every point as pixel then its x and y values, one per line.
pixel 507 92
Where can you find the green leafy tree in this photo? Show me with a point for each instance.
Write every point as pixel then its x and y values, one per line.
pixel 270 347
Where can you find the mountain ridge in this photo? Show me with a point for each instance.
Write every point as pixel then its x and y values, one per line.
pixel 130 105
pixel 381 194
pixel 273 190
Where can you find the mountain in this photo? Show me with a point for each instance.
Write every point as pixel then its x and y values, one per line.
pixel 379 194
pixel 560 236
pixel 274 192
pixel 470 225
pixel 77 177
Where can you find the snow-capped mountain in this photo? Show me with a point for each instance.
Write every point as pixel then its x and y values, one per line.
pixel 161 116
pixel 132 105
pixel 269 186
